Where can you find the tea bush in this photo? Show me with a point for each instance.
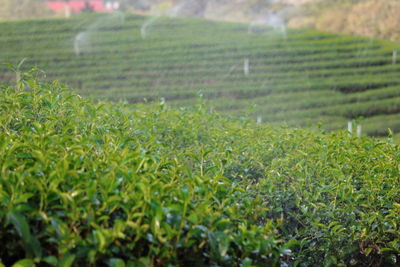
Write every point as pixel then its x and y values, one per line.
pixel 337 196
pixel 97 184
pixel 87 183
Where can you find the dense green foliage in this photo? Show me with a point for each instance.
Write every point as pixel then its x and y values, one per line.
pixel 298 76
pixel 83 183
pixel 150 185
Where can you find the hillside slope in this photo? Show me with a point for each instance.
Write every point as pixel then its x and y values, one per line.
pixel 300 77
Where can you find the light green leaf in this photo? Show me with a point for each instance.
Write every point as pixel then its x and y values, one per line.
pixel 115 262
pixel 24 263
pixel 51 260
pixel 100 240
pixel 67 260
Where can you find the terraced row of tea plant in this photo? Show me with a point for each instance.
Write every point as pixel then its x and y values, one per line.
pixel 298 76
pixel 105 184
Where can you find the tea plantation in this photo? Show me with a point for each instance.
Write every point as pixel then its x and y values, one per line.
pixel 107 184
pixel 301 77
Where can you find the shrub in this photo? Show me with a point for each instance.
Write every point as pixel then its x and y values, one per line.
pixel 148 185
pixel 97 184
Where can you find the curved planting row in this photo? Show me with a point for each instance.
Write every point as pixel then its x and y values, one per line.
pixel 135 58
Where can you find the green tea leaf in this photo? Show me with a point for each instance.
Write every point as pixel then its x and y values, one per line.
pixel 51 260
pixel 67 260
pixel 24 263
pixel 21 225
pixel 115 262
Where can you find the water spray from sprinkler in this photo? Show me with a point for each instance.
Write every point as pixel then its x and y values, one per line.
pixel 173 11
pixel 274 20
pixel 147 24
pixel 82 42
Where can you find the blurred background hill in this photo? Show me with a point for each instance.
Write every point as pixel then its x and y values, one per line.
pixel 373 18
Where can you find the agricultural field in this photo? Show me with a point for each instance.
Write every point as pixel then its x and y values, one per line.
pixel 298 77
pixel 88 183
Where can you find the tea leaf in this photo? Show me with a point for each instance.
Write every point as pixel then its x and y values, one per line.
pixel 24 263
pixel 67 260
pixel 21 225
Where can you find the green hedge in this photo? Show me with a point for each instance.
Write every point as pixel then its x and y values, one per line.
pixel 148 185
pixel 84 184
